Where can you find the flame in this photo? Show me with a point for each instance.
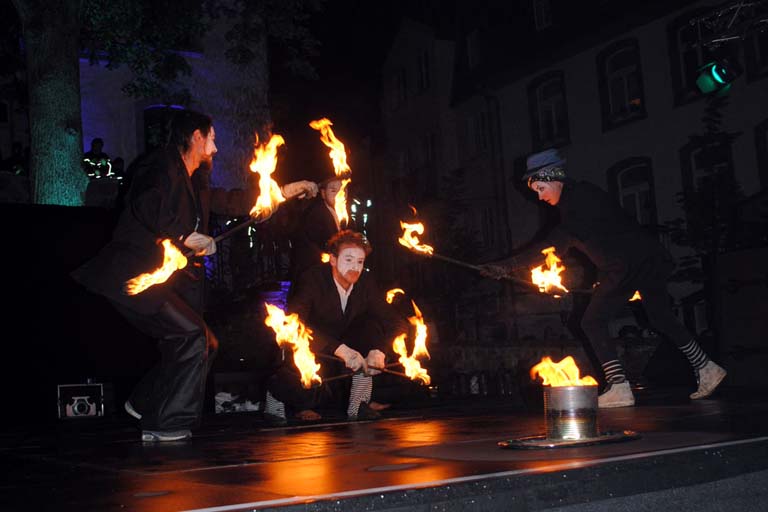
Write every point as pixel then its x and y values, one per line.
pixel 564 373
pixel 338 154
pixel 290 331
pixel 340 203
pixel 173 260
pixel 411 364
pixel 264 163
pixel 325 257
pixel 636 296
pixel 340 167
pixel 411 241
pixel 550 278
pixel 391 294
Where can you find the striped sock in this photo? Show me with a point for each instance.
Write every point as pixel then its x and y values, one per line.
pixel 362 387
pixel 614 372
pixel 274 406
pixel 695 354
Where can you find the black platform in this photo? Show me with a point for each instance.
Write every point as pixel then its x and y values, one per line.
pixel 707 455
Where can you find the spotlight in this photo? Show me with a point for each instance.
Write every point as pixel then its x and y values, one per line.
pixel 716 76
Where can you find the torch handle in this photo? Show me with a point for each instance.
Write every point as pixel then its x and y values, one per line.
pixel 478 268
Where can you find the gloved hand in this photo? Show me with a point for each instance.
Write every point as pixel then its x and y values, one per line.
pixel 352 358
pixel 203 245
pixel 303 189
pixel 493 271
pixel 375 358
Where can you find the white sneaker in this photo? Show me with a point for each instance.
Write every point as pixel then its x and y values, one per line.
pixel 161 436
pixel 709 378
pixel 618 395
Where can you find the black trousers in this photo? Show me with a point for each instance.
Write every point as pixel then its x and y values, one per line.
pixel 171 395
pixel 364 334
pixel 616 286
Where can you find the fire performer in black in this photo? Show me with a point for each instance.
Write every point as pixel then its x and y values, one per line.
pixel 170 198
pixel 627 259
pixel 349 316
pixel 319 223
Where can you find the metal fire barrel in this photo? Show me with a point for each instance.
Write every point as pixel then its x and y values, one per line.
pixel 570 412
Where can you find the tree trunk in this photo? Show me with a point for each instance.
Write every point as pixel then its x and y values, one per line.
pixel 51 31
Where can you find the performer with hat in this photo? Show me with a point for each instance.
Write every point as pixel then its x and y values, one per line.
pixel 627 259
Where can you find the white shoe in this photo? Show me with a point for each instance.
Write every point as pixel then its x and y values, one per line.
pixel 161 436
pixel 709 378
pixel 618 395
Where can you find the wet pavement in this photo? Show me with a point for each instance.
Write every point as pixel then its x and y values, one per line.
pixel 439 455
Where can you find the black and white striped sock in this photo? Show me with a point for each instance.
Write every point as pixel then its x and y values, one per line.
pixel 274 406
pixel 695 354
pixel 614 372
pixel 362 387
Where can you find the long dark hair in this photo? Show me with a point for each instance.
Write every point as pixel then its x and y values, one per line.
pixel 183 125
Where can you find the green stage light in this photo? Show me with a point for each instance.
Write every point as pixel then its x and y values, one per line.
pixel 715 77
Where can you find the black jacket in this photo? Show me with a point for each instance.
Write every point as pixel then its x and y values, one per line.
pixel 317 226
pixel 163 202
pixel 594 223
pixel 318 305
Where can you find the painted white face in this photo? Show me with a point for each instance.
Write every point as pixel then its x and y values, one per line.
pixel 349 263
pixel 548 191
pixel 329 192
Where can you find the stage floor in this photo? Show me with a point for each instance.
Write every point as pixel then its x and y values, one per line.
pixel 437 456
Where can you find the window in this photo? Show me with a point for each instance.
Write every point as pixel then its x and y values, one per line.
pixel 488 225
pixel 430 157
pixel 620 84
pixel 700 164
pixel 398 90
pixel 422 72
pixel 548 111
pixel 631 182
pixel 473 49
pixel 686 56
pixel 761 148
pixel 542 14
pixel 481 132
pixel 756 55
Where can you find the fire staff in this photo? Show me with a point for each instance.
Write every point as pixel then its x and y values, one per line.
pixel 170 198
pixel 349 318
pixel 627 259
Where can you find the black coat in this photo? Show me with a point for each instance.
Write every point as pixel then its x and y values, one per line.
pixel 163 202
pixel 317 226
pixel 318 305
pixel 593 222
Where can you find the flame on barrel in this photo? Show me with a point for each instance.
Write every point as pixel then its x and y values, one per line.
pixel 173 260
pixel 411 364
pixel 264 163
pixel 290 331
pixel 548 278
pixel 564 373
pixel 410 240
pixel 636 296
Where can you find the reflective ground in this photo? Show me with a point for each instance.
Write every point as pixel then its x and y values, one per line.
pixel 434 456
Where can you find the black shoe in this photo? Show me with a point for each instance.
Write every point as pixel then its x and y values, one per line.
pixel 365 413
pixel 275 421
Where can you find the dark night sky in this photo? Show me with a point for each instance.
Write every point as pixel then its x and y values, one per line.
pixel 354 37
